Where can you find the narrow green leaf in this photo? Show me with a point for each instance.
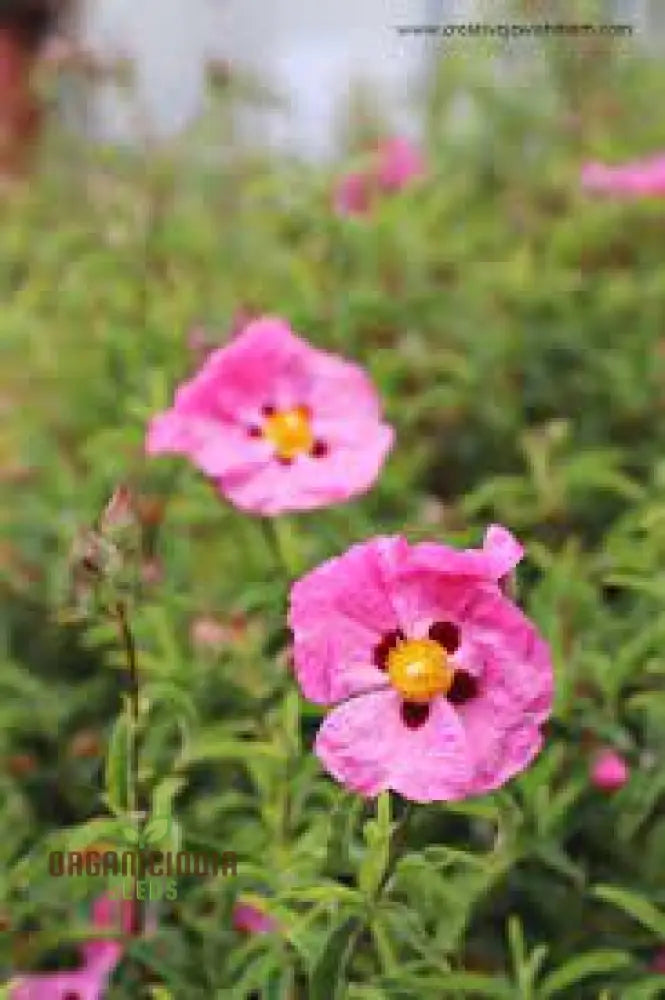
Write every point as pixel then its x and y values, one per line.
pixel 117 767
pixel 328 975
pixel 635 906
pixel 592 963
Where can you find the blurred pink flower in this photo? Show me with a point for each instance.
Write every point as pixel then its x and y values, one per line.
pixel 210 633
pixel 636 179
pixel 249 919
pixel 400 163
pixel 278 424
pixel 440 683
pixel 609 771
pixel 100 959
pixel 396 163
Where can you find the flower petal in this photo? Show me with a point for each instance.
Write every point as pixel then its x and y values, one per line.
pixel 339 613
pixel 366 745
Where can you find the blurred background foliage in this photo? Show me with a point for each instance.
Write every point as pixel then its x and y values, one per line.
pixel 515 329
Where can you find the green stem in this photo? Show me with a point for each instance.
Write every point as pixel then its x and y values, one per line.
pixel 282 540
pixel 397 843
pixel 134 803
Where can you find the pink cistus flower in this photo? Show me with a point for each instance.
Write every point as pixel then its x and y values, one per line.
pixel 609 771
pixel 399 163
pixel 395 164
pixel 636 179
pixel 440 683
pixel 250 919
pixel 100 957
pixel 279 425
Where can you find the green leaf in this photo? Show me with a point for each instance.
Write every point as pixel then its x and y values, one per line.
pixel 635 906
pixel 592 963
pixel 117 767
pixel 329 973
pixel 649 988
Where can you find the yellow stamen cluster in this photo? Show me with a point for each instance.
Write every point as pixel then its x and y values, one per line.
pixel 419 669
pixel 290 432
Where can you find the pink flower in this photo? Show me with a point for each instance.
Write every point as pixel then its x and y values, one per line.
pixel 278 424
pixel 100 958
pixel 399 164
pixel 636 179
pixel 440 683
pixel 609 771
pixel 395 164
pixel 249 919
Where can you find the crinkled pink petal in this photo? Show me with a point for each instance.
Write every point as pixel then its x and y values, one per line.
pixel 339 613
pixel 310 483
pixel 400 162
pixel 216 447
pixel 502 550
pixel 217 413
pixel 100 959
pixel 265 364
pixel 515 690
pixel 432 582
pixel 353 194
pixel 84 984
pixel 365 745
pixel 339 390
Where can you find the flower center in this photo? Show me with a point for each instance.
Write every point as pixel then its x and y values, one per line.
pixel 419 670
pixel 290 432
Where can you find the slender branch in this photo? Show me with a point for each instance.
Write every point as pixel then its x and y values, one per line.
pixel 135 804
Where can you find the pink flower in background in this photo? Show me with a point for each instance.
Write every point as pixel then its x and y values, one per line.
pixel 609 771
pixel 636 179
pixel 100 959
pixel 396 163
pixel 440 683
pixel 249 919
pixel 210 633
pixel 399 164
pixel 278 424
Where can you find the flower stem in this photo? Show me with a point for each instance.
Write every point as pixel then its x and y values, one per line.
pixel 282 540
pixel 397 843
pixel 133 707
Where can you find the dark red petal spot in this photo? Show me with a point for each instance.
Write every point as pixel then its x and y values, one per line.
pixel 446 634
pixel 414 714
pixel 389 641
pixel 268 410
pixel 464 688
pixel 319 450
pixel 71 995
pixel 254 432
pixel 283 459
